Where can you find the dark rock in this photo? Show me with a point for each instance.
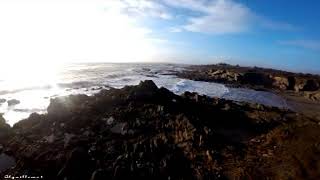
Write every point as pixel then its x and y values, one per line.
pixel 100 175
pixel 33 120
pixel 63 107
pixel 256 79
pixel 13 102
pixel 6 162
pixel 77 166
pixel 292 82
pixel 5 130
pixel 2 101
pixel 145 132
pixel 147 85
pixel 145 90
pixel 306 85
pixel 311 85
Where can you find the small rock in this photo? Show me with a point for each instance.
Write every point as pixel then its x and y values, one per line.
pixel 67 138
pixel 110 120
pixel 265 155
pixel 50 139
pixel 13 102
pixel 86 133
pixel 2 101
pixel 160 108
pixel 99 175
pixel 131 132
pixel 119 128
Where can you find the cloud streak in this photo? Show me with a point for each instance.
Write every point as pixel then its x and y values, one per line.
pixel 307 44
pixel 145 8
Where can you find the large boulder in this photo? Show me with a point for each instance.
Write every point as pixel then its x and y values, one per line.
pixel 255 78
pixel 27 124
pixel 145 90
pixel 303 84
pixel 63 106
pixel 281 82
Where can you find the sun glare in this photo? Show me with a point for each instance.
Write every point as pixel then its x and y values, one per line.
pixel 62 31
pixel 29 75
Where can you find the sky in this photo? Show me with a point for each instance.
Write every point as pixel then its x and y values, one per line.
pixel 280 34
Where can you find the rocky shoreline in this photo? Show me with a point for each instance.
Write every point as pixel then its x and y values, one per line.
pixel 306 85
pixel 145 132
pixel 301 91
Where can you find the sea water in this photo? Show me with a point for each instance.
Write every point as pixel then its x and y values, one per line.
pixel 35 87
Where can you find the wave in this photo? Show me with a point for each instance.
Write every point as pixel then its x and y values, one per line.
pixel 78 84
pixel 205 88
pixel 30 110
pixel 3 92
pixel 252 96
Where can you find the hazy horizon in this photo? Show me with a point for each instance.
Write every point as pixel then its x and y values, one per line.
pixel 275 34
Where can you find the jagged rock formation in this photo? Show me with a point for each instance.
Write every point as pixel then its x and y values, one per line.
pixel 143 132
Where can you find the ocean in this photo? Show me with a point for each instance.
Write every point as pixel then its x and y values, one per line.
pixel 35 87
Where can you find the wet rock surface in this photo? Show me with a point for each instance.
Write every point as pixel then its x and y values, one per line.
pixel 145 132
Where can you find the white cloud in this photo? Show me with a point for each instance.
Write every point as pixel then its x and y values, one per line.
pixel 146 8
pixel 194 5
pixel 217 17
pixel 175 29
pixel 274 25
pixel 223 17
pixel 307 44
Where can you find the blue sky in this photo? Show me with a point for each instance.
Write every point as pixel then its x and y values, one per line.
pixel 284 34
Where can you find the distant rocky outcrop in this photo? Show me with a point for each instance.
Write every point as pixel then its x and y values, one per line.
pixel 13 102
pixel 146 132
pixel 253 77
